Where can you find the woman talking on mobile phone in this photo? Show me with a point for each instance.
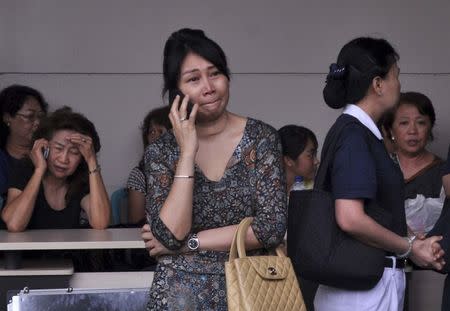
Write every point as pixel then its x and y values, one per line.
pixel 60 179
pixel 211 171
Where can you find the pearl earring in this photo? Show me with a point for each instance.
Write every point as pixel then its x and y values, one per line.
pixel 393 138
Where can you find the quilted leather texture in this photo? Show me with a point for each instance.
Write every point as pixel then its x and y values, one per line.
pixel 270 267
pixel 262 283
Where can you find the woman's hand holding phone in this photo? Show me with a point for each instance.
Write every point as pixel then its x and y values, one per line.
pixel 183 124
pixel 46 152
pixel 37 155
pixel 172 96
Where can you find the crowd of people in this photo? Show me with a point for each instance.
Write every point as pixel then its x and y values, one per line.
pixel 205 168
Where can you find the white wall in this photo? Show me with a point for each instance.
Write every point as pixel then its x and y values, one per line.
pixel 104 57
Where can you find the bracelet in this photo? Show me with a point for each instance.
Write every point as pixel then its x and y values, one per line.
pixel 408 252
pixel 95 170
pixel 184 176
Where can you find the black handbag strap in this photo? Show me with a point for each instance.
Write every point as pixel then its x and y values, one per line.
pixel 328 151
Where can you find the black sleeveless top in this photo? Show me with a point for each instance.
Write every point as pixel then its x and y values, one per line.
pixel 44 217
pixel 427 182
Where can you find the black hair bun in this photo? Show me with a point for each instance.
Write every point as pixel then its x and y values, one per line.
pixel 334 92
pixel 188 32
pixel 337 72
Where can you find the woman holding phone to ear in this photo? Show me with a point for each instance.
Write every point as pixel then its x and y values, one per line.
pixel 50 193
pixel 203 177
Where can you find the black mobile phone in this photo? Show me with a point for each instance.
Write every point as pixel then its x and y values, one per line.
pixel 173 94
pixel 46 152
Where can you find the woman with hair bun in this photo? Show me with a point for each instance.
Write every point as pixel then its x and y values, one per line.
pixel 364 81
pixel 203 177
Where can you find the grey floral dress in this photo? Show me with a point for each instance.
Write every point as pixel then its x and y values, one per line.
pixel 253 185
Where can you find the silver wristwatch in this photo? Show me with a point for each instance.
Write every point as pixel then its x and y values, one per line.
pixel 193 243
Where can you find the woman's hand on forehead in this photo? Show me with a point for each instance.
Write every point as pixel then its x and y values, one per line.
pixel 85 146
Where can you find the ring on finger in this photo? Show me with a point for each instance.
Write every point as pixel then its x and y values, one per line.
pixel 183 119
pixel 84 140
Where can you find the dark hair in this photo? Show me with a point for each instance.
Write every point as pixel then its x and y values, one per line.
pixel 12 99
pixel 158 116
pixel 358 63
pixel 294 139
pixel 65 119
pixel 183 42
pixel 382 124
pixel 416 99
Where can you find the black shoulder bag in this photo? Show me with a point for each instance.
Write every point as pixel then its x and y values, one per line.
pixel 319 249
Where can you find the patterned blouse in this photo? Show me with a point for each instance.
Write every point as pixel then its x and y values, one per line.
pixel 136 180
pixel 253 184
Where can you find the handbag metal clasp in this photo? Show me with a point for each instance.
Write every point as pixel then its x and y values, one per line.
pixel 272 271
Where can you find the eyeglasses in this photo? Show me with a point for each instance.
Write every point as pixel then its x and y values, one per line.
pixel 154 131
pixel 32 117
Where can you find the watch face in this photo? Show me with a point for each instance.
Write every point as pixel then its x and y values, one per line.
pixel 193 244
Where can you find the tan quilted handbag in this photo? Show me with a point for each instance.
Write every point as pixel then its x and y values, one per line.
pixel 260 282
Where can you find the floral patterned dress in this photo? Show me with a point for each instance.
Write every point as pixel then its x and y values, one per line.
pixel 253 185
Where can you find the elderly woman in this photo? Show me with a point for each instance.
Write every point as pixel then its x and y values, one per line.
pixel 22 108
pixel 60 179
pixel 411 127
pixel 214 169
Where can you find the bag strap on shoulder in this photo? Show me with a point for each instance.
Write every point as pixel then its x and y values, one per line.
pixel 328 151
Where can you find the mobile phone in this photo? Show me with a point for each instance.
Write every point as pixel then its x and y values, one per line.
pixel 173 94
pixel 46 152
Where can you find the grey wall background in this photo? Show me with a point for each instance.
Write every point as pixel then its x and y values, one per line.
pixel 104 58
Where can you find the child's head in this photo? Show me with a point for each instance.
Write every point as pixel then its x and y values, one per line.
pixel 299 151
